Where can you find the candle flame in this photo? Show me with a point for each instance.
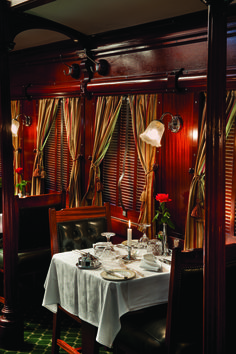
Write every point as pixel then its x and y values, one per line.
pixel 129 224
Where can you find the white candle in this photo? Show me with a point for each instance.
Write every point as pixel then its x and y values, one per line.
pixel 129 234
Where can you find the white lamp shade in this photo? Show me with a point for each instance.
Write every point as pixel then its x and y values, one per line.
pixel 153 134
pixel 15 127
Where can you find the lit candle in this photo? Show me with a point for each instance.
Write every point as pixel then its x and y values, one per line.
pixel 129 234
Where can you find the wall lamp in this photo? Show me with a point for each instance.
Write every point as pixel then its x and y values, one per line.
pixel 26 120
pixel 154 132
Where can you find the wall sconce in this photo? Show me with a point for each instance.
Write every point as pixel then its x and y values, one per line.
pixel 155 130
pixel 26 120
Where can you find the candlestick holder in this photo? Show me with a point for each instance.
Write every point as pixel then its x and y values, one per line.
pixel 129 256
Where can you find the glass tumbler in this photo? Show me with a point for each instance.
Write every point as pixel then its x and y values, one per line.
pixel 155 247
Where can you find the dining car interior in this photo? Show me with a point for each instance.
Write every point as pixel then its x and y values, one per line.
pixel 117 165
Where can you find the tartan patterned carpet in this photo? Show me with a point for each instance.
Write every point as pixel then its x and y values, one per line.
pixel 38 334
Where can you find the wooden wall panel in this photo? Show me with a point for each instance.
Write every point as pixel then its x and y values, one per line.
pixel 177 155
pixel 167 57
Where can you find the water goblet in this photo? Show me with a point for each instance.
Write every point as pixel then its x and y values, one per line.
pixel 108 253
pixel 143 241
pixel 108 235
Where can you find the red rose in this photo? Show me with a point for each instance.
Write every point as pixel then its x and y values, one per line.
pixel 162 198
pixel 19 170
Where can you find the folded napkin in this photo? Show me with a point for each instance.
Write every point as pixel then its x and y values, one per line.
pixel 148 262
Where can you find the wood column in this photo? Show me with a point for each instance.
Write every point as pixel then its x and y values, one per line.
pixel 214 242
pixel 11 328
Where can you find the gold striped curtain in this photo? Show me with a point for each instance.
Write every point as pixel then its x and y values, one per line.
pixel 143 111
pixel 194 231
pixel 47 114
pixel 15 111
pixel 107 112
pixel 72 116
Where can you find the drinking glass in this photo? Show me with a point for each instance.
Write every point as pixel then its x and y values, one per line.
pixel 108 253
pixel 155 247
pixel 108 235
pixel 143 241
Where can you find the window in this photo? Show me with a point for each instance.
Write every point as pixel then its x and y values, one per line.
pixel 57 159
pixel 229 159
pixel 122 158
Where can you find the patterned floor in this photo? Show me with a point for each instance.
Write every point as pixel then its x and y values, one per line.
pixel 38 334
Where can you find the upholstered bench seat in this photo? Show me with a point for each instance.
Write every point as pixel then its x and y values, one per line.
pixel 80 234
pixel 32 261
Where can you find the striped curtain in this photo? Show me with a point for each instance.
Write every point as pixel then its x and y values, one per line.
pixel 107 112
pixel 143 110
pixel 15 111
pixel 194 231
pixel 72 116
pixel 46 116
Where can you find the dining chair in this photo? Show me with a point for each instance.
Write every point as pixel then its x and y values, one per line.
pixel 33 241
pixel 175 327
pixel 230 310
pixel 75 228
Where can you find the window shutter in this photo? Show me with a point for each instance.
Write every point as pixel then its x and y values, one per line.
pixel 229 199
pixel 58 162
pixel 134 176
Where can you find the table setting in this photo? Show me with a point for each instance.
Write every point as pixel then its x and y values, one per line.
pixel 102 283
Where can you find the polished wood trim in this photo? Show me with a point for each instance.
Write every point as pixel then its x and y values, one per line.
pixel 11 326
pixel 214 242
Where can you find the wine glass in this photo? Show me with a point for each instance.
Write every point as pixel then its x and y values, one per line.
pixel 108 235
pixel 143 241
pixel 108 253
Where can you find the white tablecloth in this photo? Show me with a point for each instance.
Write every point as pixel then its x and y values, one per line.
pixel 99 302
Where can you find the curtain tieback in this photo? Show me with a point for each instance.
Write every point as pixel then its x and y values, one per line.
pixel 154 168
pixel 78 157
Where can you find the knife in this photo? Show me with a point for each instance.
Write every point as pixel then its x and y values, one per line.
pixel 116 274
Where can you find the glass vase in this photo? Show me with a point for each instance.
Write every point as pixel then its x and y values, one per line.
pixel 165 243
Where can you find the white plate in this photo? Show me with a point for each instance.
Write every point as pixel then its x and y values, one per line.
pixel 127 273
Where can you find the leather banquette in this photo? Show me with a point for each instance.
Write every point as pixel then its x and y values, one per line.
pixel 78 228
pixel 79 234
pixel 33 235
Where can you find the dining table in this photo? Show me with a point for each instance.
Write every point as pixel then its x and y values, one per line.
pixel 99 300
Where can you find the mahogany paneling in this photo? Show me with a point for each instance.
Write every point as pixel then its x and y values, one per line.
pixel 140 60
pixel 11 325
pixel 214 339
pixel 28 140
pixel 177 155
pixel 143 59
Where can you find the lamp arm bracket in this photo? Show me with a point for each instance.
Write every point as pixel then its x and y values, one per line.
pixel 172 82
pixel 175 124
pixel 29 97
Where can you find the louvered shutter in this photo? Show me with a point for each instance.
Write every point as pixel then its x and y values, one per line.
pixel 58 162
pixel 229 198
pixel 134 176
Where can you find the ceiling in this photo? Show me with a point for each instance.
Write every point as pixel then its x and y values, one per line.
pixel 93 16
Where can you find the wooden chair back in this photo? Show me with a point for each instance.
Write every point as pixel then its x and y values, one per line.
pixel 185 303
pixel 230 294
pixel 32 219
pixel 72 223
